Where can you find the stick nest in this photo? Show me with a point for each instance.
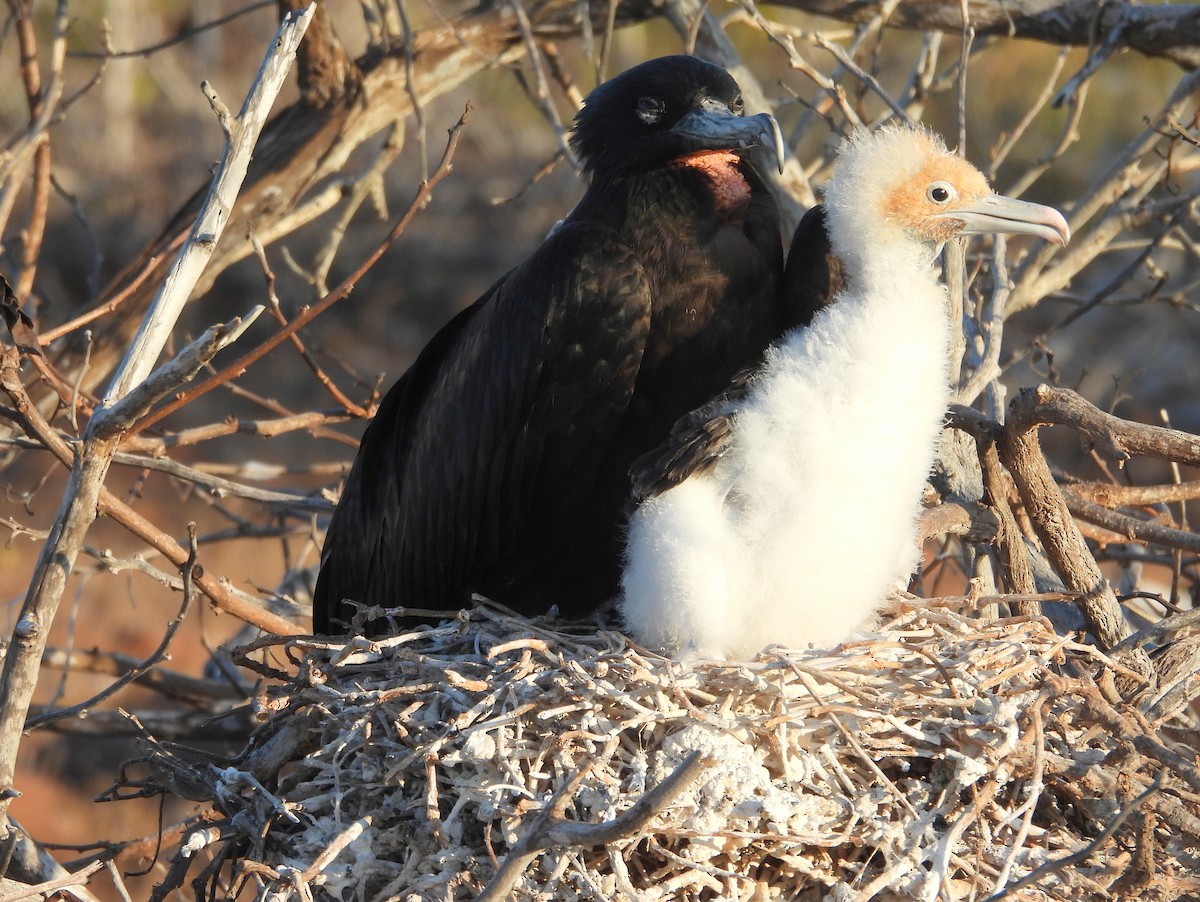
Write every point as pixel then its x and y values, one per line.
pixel 947 754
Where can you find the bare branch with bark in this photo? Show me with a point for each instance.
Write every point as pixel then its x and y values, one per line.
pixel 80 503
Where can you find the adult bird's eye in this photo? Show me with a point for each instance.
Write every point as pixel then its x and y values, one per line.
pixel 940 192
pixel 650 109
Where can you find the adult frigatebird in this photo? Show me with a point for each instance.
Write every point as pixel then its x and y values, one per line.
pixel 783 512
pixel 499 463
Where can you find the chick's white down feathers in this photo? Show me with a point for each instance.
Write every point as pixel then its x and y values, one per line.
pixel 808 520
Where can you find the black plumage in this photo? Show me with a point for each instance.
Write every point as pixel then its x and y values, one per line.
pixel 499 463
pixel 814 274
pixel 812 277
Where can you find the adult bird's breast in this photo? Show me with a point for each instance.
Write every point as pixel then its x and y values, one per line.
pixel 706 231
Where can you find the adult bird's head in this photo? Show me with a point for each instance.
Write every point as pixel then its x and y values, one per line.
pixel 665 110
pixel 901 184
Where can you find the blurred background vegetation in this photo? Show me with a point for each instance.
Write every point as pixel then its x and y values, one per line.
pixel 134 138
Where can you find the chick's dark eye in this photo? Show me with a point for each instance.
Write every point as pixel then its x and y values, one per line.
pixel 650 109
pixel 737 105
pixel 941 192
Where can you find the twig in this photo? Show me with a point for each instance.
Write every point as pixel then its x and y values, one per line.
pixel 343 839
pixel 233 724
pixel 862 75
pixel 42 100
pixel 976 522
pixel 48 888
pixel 344 413
pixel 1060 864
pixel 158 655
pixel 548 829
pixel 1014 135
pixel 1096 58
pixel 1017 570
pixel 973 602
pixel 141 848
pixel 368 184
pixel 807 681
pixel 540 93
pixel 172 684
pixel 1099 239
pixel 341 291
pixel 1167 625
pixel 315 422
pixel 982 368
pixel 119 416
pixel 1130 527
pixel 118 881
pixel 1124 176
pixel 195 840
pixel 108 306
pixel 1171 32
pixel 107 503
pixel 227 488
pixel 26 861
pixel 1121 439
pixel 182 37
pixel 1108 495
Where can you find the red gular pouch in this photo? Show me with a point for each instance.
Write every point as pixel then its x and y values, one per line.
pixel 731 191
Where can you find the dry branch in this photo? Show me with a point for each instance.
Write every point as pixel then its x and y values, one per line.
pixel 1052 867
pixel 1112 204
pixel 1130 527
pixel 1118 438
pixel 69 885
pixel 26 862
pixel 313 139
pixel 1111 496
pixel 42 99
pixel 119 416
pixel 1056 530
pixel 139 669
pixel 1049 507
pixel 221 722
pixel 1171 32
pixel 1010 542
pixel 83 494
pixel 108 504
pixel 168 683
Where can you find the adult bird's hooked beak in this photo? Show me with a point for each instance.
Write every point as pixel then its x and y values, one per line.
pixel 715 127
pixel 997 213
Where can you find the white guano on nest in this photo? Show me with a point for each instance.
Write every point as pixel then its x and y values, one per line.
pixel 945 755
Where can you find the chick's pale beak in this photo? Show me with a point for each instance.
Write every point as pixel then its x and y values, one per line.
pixel 997 213
pixel 715 127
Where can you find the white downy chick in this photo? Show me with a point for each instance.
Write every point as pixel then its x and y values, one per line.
pixel 808 518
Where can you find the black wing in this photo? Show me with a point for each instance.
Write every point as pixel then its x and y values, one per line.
pixel 696 443
pixel 365 514
pixel 813 274
pixel 481 452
